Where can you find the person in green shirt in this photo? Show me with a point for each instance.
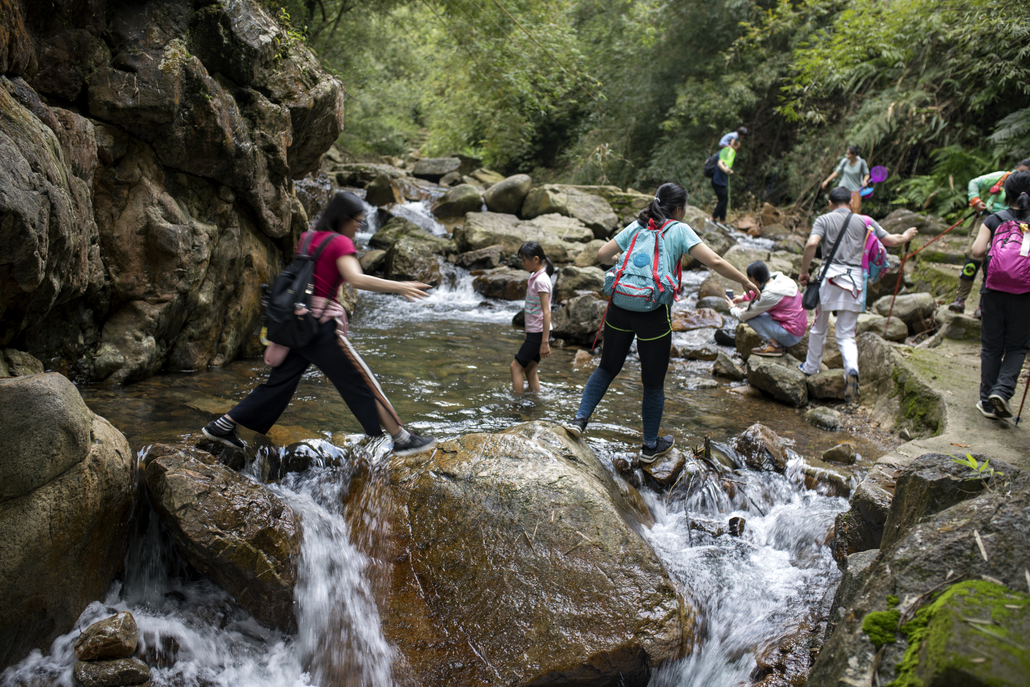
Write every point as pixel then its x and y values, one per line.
pixel 721 179
pixel 986 195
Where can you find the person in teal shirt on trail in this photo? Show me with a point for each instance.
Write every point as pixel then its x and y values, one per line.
pixel 721 179
pixel 986 195
pixel 854 176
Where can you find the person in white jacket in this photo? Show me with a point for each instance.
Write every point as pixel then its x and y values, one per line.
pixel 776 315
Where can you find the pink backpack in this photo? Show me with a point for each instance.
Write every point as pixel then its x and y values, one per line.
pixel 874 255
pixel 1009 266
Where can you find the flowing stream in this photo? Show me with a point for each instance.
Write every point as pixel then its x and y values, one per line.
pixel 444 363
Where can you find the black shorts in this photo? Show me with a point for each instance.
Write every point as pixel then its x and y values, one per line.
pixel 530 351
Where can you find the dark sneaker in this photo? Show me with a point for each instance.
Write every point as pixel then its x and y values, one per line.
pixel 851 389
pixel 1001 405
pixel 976 313
pixel 958 306
pixel 230 438
pixel 985 411
pixel 575 427
pixel 414 444
pixel 770 349
pixel 661 447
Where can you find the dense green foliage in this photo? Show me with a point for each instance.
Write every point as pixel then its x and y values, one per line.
pixel 636 93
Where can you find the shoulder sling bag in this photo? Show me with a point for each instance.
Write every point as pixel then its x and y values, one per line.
pixel 810 301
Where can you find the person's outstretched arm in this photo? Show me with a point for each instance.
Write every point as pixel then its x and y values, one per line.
pixel 892 240
pixel 710 258
pixel 350 269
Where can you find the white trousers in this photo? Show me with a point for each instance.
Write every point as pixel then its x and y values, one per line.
pixel 847 321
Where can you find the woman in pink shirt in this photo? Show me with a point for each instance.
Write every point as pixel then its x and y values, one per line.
pixel 777 316
pixel 330 351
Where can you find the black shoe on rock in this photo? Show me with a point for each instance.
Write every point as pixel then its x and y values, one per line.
pixel 649 454
pixel 1001 406
pixel 575 427
pixel 414 444
pixel 229 438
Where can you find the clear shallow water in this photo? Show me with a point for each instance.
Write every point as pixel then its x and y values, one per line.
pixel 444 364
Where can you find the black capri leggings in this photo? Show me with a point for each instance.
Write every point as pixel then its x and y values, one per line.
pixel 653 331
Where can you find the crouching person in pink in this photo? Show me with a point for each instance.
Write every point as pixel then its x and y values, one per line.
pixel 777 315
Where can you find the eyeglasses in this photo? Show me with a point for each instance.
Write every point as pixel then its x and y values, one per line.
pixel 362 223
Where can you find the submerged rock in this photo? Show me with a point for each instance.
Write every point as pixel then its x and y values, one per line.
pixel 762 449
pixel 725 366
pixel 518 557
pixel 114 637
pixel 123 671
pixel 823 418
pixel 234 530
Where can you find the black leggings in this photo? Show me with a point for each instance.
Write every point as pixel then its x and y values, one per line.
pixel 333 354
pixel 723 194
pixel 653 331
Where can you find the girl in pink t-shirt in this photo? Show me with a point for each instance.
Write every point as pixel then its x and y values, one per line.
pixel 538 318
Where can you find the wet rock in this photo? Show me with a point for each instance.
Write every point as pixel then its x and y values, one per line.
pixel 372 261
pixel 703 352
pixel 726 367
pixel 868 322
pixel 577 597
pixel 860 528
pixel 413 257
pixel 18 364
pixel 124 671
pixel 572 280
pixel 900 220
pixel 823 418
pixel 827 385
pixel 956 326
pixel 482 259
pixel 931 483
pixel 235 531
pixel 737 525
pixel 714 303
pixel 487 178
pixel 461 199
pixel 582 357
pixel 699 318
pixel 579 321
pixel 503 283
pixel 784 383
pixel 506 196
pixel 664 471
pixel 65 501
pixel 844 453
pixel 726 336
pixel 856 567
pixel 593 211
pixel 114 637
pixel 361 174
pixel 715 238
pixel 762 449
pixel 383 191
pixel 435 168
pixel 930 552
pixel 896 396
pixel 826 481
pixel 914 309
pixel 587 257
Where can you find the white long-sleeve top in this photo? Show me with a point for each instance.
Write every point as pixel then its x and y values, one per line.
pixel 775 290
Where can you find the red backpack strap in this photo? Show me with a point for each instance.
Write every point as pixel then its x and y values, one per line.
pixel 625 260
pixel 654 264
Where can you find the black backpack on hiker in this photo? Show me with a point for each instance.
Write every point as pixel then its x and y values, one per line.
pixel 711 165
pixel 288 315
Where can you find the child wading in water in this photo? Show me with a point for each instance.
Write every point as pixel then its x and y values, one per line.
pixel 538 318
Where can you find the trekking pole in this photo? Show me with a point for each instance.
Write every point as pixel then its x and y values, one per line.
pixel 904 259
pixel 1025 387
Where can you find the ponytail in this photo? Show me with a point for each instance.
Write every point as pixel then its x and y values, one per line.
pixel 532 249
pixel 667 199
pixel 1017 190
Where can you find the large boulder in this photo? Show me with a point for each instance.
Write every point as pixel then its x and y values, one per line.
pixel 725 366
pixel 593 211
pixel 504 283
pixel 107 639
pixel 435 168
pixel 877 324
pixel 577 597
pixel 952 565
pixel 15 363
pixel 762 449
pixel 461 199
pixel 572 280
pixel 235 531
pixel 896 396
pixel 740 257
pixel 901 219
pixel 506 196
pixel 65 504
pixel 580 320
pixel 916 310
pixel 384 190
pixel 785 383
pixel 712 236
pixel 587 257
pixel 554 233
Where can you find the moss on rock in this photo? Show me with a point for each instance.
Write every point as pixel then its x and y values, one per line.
pixel 881 627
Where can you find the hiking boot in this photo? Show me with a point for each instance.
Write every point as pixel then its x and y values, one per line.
pixel 770 349
pixel 414 444
pixel 660 448
pixel 958 306
pixel 229 438
pixel 851 388
pixel 976 313
pixel 575 427
pixel 1001 405
pixel 986 413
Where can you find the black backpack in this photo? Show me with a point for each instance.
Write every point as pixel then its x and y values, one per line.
pixel 288 315
pixel 711 164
